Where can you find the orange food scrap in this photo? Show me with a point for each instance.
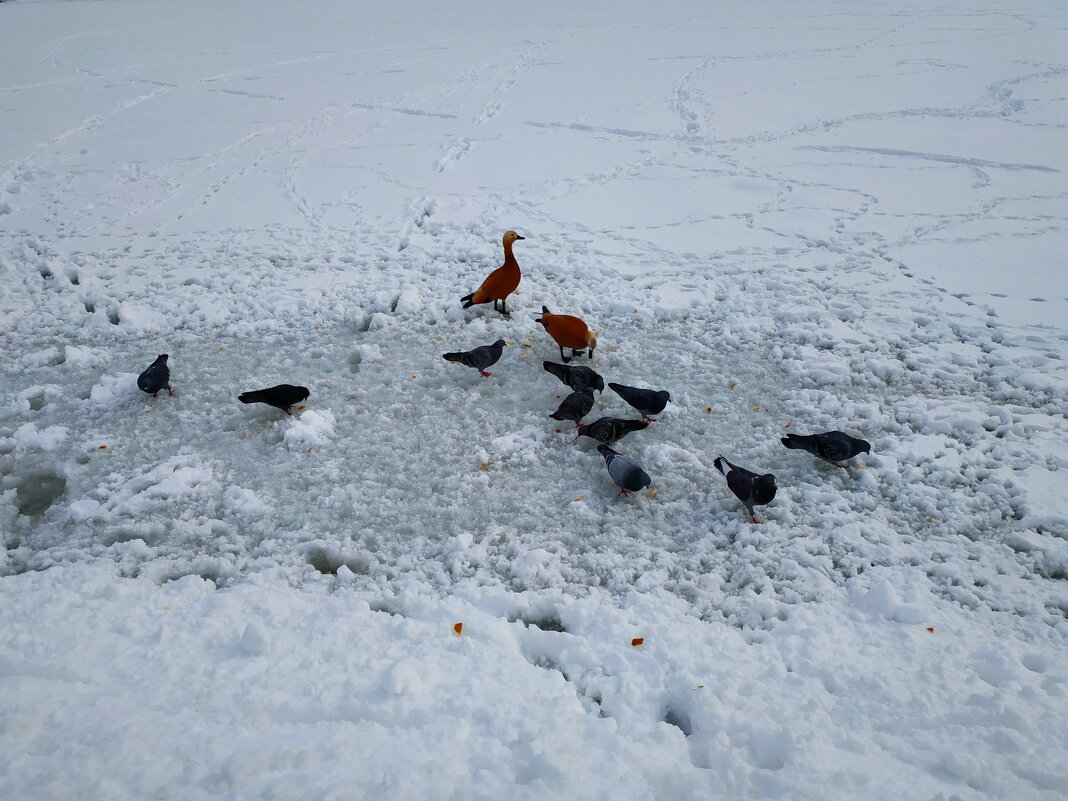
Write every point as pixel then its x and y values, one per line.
pixel 931 629
pixel 734 384
pixel 652 494
pixel 309 450
pixel 413 375
pixel 708 409
pixel 526 345
pixel 148 411
pixel 558 431
pixel 637 641
pixel 933 517
pixel 786 426
pixel 302 407
pixel 102 448
pixel 458 628
pixel 483 465
pixel 222 348
pixel 612 350
pixel 756 408
pixel 578 497
pixel 633 311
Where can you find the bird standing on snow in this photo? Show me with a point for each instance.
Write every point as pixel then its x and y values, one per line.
pixel 578 378
pixel 627 474
pixel 479 358
pixel 569 332
pixel 156 376
pixel 831 446
pixel 501 282
pixel 646 401
pixel 750 488
pixel 575 406
pixel 281 396
pixel 609 429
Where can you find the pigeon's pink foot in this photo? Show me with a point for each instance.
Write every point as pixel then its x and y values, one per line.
pixel 758 522
pixel 484 374
pixel 171 392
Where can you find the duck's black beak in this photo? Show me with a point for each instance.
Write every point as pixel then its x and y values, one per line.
pixel 517 236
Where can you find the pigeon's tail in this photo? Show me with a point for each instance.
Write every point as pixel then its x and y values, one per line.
pixel 558 416
pixel 797 442
pixel 554 368
pixel 468 301
pixel 251 397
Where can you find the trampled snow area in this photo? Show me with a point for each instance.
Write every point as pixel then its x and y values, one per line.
pixel 796 217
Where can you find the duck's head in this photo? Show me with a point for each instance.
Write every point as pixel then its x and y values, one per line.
pixel 511 236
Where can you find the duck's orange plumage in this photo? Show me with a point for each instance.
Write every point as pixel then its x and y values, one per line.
pixel 568 332
pixel 501 282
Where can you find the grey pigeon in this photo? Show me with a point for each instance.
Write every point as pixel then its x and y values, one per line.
pixel 627 474
pixel 578 378
pixel 575 406
pixel 646 401
pixel 832 446
pixel 479 358
pixel 750 488
pixel 281 397
pixel 609 429
pixel 156 376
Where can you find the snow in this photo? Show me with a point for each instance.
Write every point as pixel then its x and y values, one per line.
pixel 795 217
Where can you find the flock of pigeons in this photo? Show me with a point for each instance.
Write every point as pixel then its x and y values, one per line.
pixel 571 332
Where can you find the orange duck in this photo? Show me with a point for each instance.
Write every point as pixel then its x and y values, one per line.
pixel 501 282
pixel 569 332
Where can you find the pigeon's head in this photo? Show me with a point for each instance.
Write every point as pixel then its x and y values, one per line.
pixel 162 358
pixel 764 488
pixel 511 236
pixel 605 451
pixel 598 383
pixel 499 344
pixel 865 446
pixel 304 392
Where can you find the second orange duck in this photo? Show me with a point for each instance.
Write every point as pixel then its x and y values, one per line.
pixel 569 332
pixel 501 282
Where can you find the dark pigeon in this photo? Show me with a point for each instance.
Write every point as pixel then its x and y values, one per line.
pixel 750 488
pixel 479 358
pixel 578 378
pixel 156 376
pixel 281 397
pixel 627 475
pixel 646 401
pixel 832 446
pixel 575 406
pixel 609 429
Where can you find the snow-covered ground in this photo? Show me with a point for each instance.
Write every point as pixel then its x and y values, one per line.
pixel 794 216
